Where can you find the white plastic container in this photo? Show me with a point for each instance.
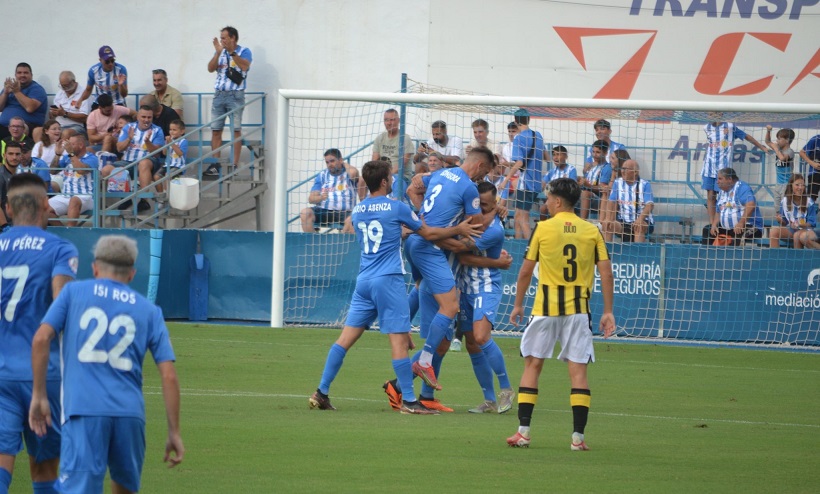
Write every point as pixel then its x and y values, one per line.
pixel 184 193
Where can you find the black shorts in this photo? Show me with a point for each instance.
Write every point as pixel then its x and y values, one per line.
pixel 629 236
pixel 813 185
pixel 328 216
pixel 524 199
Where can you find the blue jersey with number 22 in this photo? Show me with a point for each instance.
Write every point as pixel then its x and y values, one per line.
pixel 106 328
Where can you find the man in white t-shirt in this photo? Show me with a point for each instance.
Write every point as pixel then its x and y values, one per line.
pixel 451 147
pixel 67 115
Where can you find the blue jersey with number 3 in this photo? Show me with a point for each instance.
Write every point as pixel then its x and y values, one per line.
pixel 106 328
pixel 378 221
pixel 29 258
pixel 450 196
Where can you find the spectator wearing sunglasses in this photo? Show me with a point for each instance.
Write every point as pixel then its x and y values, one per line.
pixel 106 77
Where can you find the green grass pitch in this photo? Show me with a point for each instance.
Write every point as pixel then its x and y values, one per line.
pixel 663 419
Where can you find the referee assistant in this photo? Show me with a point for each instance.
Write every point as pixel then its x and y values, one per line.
pixel 567 249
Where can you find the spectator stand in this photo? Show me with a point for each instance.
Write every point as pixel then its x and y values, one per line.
pixel 236 191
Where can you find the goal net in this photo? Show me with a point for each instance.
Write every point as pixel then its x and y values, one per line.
pixel 672 286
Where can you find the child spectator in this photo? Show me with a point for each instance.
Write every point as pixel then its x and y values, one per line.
pixel 796 213
pixel 175 155
pixel 784 164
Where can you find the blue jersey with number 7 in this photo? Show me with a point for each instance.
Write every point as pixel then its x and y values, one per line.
pixel 29 259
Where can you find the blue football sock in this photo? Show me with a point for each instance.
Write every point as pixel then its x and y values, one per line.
pixel 481 368
pixel 497 364
pixel 44 487
pixel 440 328
pixel 427 391
pixel 5 481
pixel 405 375
pixel 335 357
pixel 413 301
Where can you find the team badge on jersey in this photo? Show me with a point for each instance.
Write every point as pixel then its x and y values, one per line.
pixel 476 203
pixel 73 264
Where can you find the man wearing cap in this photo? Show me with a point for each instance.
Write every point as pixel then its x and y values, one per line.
pixel 22 97
pixel 528 158
pixel 106 77
pixel 231 63
pixel 102 122
pixel 167 95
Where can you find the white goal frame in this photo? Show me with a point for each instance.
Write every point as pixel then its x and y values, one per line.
pixel 286 95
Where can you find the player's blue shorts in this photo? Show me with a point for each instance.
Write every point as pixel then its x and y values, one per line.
pixel 475 307
pixel 382 296
pixel 431 262
pixel 709 183
pixel 15 399
pixel 90 444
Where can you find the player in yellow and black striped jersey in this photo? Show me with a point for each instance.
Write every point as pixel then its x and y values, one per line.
pixel 571 248
pixel 567 250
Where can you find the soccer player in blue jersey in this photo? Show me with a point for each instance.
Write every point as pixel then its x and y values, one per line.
pixel 105 329
pixel 480 285
pixel 380 287
pixel 719 155
pixel 451 195
pixel 34 265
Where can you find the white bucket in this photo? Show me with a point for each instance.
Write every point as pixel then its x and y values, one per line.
pixel 184 193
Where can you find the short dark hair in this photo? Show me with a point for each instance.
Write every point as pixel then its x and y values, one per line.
pixel 485 153
pixel 232 32
pixel 512 125
pixel 25 65
pixel 728 173
pixel 480 122
pixel 14 144
pixel 333 152
pixel 105 100
pixel 565 188
pixel 601 144
pixel 439 124
pixel 391 110
pixel 373 172
pixel 602 123
pixel 26 205
pixel 559 149
pixel 179 123
pixel 484 187
pixel 147 107
pixel 786 133
pixel 127 117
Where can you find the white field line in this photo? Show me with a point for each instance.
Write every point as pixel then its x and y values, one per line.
pixel 248 394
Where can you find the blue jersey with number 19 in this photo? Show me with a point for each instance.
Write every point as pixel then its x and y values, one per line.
pixel 378 221
pixel 29 258
pixel 106 328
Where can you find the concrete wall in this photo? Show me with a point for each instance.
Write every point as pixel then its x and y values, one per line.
pixel 639 49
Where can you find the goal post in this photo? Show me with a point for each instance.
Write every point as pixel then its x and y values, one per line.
pixel 671 287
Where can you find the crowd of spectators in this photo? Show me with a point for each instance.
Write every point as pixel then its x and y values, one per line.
pixel 613 192
pixel 114 135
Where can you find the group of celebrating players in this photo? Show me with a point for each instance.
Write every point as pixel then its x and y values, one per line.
pixel 455 253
